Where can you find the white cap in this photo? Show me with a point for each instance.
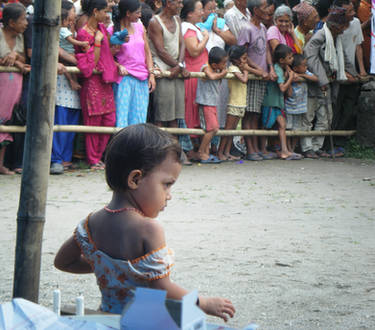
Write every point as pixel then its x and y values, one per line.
pixel 227 2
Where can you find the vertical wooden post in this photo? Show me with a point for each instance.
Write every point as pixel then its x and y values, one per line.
pixel 37 155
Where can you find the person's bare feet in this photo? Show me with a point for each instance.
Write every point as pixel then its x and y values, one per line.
pixel 6 171
pixel 221 156
pixel 230 157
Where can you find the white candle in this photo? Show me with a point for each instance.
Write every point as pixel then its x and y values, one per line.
pixel 80 306
pixel 56 301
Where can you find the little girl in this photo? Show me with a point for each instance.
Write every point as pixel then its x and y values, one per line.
pixel 237 98
pixel 123 243
pixel 273 103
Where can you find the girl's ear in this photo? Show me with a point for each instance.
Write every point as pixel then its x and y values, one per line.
pixel 134 178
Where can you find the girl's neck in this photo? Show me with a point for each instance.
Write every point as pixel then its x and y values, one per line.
pixel 122 200
pixel 92 24
pixel 10 32
pixel 283 66
pixel 125 23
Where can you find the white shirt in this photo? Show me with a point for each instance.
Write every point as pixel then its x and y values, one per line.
pixel 351 38
pixel 236 20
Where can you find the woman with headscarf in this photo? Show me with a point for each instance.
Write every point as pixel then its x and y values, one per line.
pixel 283 31
pixel 307 17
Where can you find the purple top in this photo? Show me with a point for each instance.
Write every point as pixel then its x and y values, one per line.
pixel 132 54
pixel 256 40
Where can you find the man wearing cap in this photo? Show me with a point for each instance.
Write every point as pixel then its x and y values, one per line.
pixel 327 60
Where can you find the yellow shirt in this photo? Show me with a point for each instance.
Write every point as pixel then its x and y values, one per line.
pixel 237 90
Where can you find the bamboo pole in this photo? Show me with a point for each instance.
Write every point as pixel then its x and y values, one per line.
pixel 180 131
pixel 165 74
pixel 37 155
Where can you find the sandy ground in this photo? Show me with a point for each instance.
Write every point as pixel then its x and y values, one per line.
pixel 292 244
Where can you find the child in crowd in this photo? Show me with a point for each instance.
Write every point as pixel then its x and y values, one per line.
pixel 207 99
pixel 296 104
pixel 67 42
pixel 123 243
pixel 273 103
pixel 237 98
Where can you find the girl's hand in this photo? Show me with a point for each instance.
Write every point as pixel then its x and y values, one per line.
pixel 151 83
pixel 25 68
pixel 122 71
pixel 98 37
pixel 9 59
pixel 216 306
pixel 214 26
pixel 205 34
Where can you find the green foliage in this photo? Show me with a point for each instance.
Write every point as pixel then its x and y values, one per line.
pixel 220 3
pixel 354 150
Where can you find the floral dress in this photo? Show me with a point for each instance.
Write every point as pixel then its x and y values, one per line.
pixel 118 279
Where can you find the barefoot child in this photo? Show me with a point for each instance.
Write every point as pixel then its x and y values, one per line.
pixel 296 104
pixel 207 98
pixel 237 98
pixel 273 104
pixel 123 243
pixel 67 42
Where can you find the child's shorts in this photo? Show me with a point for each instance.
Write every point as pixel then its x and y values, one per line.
pixel 208 117
pixel 236 111
pixel 269 116
pixel 294 122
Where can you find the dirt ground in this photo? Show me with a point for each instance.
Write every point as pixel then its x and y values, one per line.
pixel 292 244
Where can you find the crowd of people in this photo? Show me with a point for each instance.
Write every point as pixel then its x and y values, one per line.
pixel 288 58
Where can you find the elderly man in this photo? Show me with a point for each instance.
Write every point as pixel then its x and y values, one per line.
pixel 237 17
pixel 327 60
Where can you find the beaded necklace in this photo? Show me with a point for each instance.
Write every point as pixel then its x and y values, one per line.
pixel 123 210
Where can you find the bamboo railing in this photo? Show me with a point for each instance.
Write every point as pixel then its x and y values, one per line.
pixel 179 131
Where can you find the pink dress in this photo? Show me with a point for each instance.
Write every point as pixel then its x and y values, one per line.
pixel 193 64
pixel 10 85
pixel 97 100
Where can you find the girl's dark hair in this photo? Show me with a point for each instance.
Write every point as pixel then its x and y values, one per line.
pixel 64 14
pixel 235 52
pixel 281 51
pixel 123 7
pixel 67 5
pixel 189 7
pixel 205 2
pixel 147 14
pixel 88 6
pixel 12 11
pixel 216 55
pixel 297 59
pixel 142 147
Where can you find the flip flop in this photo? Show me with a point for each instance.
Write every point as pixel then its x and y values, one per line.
pixel 293 156
pixel 211 160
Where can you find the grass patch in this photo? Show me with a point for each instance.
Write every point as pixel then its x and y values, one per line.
pixel 354 150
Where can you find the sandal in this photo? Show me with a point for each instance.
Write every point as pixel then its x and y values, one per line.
pixel 97 166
